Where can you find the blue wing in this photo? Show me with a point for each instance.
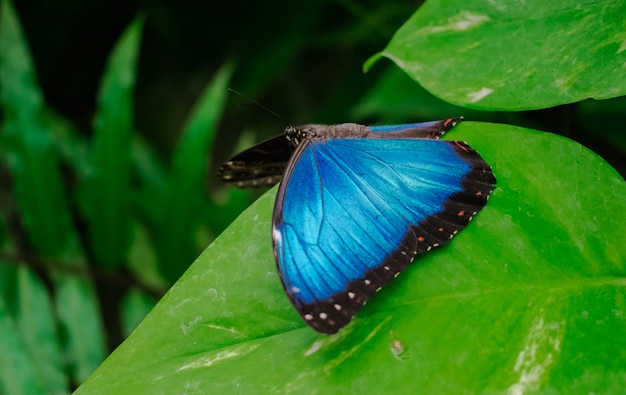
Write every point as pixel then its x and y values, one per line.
pixel 352 213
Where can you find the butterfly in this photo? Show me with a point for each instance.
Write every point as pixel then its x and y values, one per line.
pixel 357 203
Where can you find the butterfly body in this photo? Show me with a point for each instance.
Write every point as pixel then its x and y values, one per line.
pixel 357 203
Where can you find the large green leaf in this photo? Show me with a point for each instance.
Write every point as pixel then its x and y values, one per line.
pixel 515 55
pixel 531 296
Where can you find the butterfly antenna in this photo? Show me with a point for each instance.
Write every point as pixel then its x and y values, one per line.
pixel 261 106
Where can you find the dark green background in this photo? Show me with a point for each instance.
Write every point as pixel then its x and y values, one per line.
pixel 303 61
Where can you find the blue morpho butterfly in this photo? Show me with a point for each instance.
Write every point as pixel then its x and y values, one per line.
pixel 357 203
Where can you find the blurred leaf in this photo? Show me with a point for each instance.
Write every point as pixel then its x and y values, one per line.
pixel 529 298
pixel 30 152
pixel 142 261
pixel 37 325
pixel 227 203
pixel 184 194
pixel 79 314
pixel 134 308
pixel 8 286
pixel 152 177
pixel 17 372
pixel 225 206
pixel 26 144
pixel 515 55
pixel 149 168
pixel 71 146
pixel 105 196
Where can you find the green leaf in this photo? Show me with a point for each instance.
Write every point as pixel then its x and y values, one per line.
pixel 134 308
pixel 30 140
pixel 105 196
pixel 79 315
pixel 37 325
pixel 18 374
pixel 142 261
pixel 185 195
pixel 529 298
pixel 26 144
pixel 515 55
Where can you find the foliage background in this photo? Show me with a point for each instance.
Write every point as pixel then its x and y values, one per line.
pixel 304 61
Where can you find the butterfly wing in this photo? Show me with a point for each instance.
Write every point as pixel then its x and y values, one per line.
pixel 263 164
pixel 259 166
pixel 422 130
pixel 352 213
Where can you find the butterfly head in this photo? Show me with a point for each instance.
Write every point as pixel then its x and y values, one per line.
pixel 295 135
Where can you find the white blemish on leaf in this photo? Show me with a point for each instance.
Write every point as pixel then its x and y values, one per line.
pixel 212 293
pixel 479 95
pixel 225 329
pixel 461 22
pixel 467 20
pixel 208 361
pixel 314 348
pixel 346 354
pixel 541 349
pixel 621 48
pixel 186 327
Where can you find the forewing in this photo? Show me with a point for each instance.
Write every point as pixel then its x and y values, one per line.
pixel 423 130
pixel 259 166
pixel 351 214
